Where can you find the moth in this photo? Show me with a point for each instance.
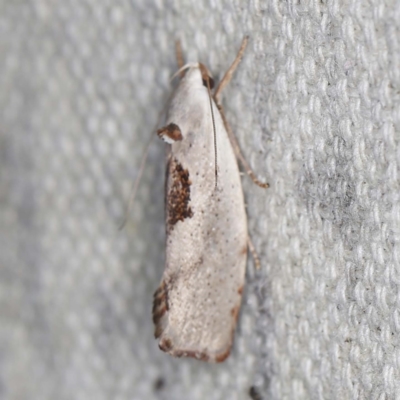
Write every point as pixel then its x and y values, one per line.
pixel 197 304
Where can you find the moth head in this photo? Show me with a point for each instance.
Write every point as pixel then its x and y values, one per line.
pixel 206 76
pixel 208 81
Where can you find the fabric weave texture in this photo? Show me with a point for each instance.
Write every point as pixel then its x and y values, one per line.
pixel 315 105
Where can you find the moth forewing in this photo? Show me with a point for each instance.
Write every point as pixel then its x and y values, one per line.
pixel 196 307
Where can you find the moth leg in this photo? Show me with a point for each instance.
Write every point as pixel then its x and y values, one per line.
pixel 179 57
pixel 238 152
pixel 225 80
pixel 253 252
pixel 228 74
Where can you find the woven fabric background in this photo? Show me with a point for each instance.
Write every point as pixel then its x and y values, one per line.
pixel 315 105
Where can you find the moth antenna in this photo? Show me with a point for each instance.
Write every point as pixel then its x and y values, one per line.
pixel 141 168
pixel 179 56
pixel 215 134
pixel 136 184
pixel 206 78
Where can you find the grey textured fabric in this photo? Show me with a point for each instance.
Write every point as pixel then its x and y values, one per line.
pixel 315 105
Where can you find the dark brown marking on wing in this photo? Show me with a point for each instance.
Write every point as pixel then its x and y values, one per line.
pixel 166 182
pixel 235 313
pixel 178 197
pixel 169 133
pixel 165 345
pixel 223 356
pixel 240 290
pixel 193 354
pixel 160 307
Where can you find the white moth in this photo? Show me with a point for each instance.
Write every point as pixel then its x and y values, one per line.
pixel 197 304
